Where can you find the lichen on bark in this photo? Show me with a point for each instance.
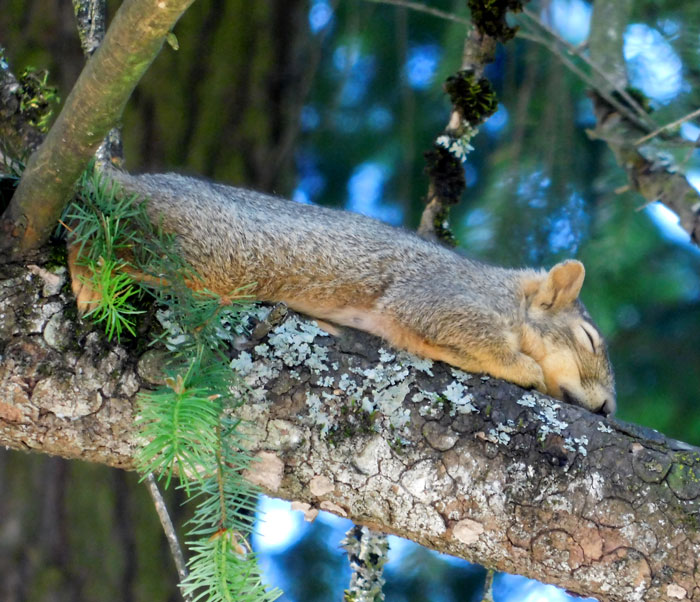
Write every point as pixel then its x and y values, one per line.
pixel 467 465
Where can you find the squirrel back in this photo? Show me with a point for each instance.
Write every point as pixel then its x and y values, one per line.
pixel 526 326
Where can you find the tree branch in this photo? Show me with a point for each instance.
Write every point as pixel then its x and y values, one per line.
pixel 169 530
pixel 648 175
pixel 473 467
pixel 93 107
pixel 479 50
pixel 428 10
pixel 599 80
pixel 669 126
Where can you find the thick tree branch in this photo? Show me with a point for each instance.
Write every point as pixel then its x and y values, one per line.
pixel 93 107
pixel 470 466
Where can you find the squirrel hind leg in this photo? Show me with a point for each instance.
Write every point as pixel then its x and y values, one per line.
pixel 86 296
pixel 330 328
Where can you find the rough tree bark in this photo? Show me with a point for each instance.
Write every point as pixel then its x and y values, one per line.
pixel 466 465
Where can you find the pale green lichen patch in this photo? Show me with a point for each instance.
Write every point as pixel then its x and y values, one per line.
pixel 318 411
pixel 528 401
pixel 175 335
pixel 254 374
pixel 545 412
pixel 291 345
pixel 684 481
pixel 577 444
pixel 461 400
pixel 460 376
pixel 421 364
pixel 501 433
pixel 326 381
pixel 378 391
pixel 432 404
pixel 386 356
pixel 373 394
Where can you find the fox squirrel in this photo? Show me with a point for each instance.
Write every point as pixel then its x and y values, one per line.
pixel 526 326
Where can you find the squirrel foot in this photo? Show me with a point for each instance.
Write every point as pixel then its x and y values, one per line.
pixel 86 297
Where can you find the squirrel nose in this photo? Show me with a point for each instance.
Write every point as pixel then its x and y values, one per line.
pixel 608 407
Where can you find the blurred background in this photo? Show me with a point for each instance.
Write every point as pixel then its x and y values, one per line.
pixel 334 102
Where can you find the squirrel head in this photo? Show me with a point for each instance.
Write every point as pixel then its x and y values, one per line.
pixel 561 337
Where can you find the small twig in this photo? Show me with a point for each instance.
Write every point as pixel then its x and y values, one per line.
pixel 610 99
pixel 422 8
pixel 488 586
pixel 668 126
pixel 573 67
pixel 65 225
pixel 368 553
pixel 168 529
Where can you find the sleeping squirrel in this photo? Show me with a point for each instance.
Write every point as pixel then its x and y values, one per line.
pixel 526 326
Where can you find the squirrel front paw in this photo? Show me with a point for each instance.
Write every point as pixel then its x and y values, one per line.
pixel 528 373
pixel 86 296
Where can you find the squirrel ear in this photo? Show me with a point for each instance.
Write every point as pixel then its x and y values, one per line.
pixel 561 286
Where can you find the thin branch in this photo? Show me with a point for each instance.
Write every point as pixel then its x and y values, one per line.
pixel 488 586
pixel 450 148
pixel 428 10
pixel 668 126
pixel 642 115
pixel 573 67
pixel 585 77
pixel 479 50
pixel 168 529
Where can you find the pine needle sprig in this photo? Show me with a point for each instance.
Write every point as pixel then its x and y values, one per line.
pixel 190 433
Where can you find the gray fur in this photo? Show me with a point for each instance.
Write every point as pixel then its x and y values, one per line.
pixel 314 258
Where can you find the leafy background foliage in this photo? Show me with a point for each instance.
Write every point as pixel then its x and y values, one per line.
pixel 334 102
